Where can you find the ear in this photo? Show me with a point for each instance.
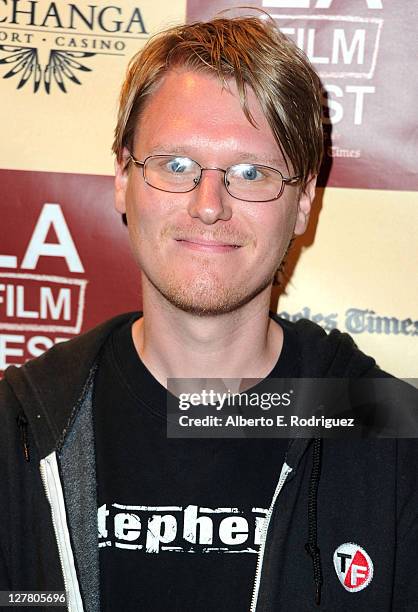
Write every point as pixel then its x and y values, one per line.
pixel 121 182
pixel 304 206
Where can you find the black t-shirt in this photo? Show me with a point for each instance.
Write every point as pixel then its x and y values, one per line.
pixel 180 520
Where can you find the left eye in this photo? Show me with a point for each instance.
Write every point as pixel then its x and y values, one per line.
pixel 247 172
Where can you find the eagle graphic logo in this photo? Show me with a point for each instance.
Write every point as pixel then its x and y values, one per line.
pixel 61 68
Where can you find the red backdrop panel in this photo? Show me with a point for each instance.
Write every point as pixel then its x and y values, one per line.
pixel 62 246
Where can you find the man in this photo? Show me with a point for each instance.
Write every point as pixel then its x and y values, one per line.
pixel 218 146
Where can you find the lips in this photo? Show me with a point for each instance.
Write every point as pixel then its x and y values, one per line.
pixel 203 244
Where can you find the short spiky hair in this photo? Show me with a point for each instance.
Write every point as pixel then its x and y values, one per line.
pixel 255 54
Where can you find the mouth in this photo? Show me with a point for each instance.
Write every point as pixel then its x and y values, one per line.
pixel 207 246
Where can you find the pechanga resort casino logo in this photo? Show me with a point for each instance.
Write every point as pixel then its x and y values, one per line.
pixel 50 46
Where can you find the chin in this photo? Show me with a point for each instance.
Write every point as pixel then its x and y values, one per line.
pixel 208 297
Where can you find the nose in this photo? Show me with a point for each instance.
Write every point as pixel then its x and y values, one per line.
pixel 209 200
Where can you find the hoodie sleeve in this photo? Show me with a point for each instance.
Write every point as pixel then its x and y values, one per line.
pixel 8 448
pixel 4 577
pixel 405 592
pixel 28 552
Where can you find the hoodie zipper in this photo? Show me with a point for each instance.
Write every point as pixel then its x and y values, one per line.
pixel 53 489
pixel 286 469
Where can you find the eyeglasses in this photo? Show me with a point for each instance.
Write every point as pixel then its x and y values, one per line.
pixel 247 182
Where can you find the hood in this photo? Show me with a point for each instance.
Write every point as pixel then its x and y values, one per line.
pixel 333 355
pixel 49 387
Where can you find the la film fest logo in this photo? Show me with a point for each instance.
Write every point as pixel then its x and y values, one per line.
pixel 344 48
pixel 353 566
pixel 40 310
pixel 49 46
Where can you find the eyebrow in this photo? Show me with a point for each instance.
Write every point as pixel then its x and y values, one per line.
pixel 268 161
pixel 278 162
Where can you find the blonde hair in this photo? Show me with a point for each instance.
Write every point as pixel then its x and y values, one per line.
pixel 254 53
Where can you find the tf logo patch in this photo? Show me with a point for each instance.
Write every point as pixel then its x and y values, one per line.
pixel 353 566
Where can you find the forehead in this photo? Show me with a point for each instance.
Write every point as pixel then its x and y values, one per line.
pixel 191 110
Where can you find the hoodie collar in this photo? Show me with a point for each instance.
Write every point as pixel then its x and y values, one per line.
pixel 50 387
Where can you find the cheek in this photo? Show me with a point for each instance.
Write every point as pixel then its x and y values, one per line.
pixel 276 230
pixel 147 213
pixel 289 225
pixel 138 210
pixel 138 222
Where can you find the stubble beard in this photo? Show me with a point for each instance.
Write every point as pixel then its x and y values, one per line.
pixel 206 294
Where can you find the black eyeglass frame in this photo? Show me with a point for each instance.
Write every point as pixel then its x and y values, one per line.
pixel 291 180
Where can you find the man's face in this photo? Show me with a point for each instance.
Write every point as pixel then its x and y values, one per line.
pixel 204 251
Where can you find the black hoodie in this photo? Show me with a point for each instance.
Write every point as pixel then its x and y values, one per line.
pixel 341 533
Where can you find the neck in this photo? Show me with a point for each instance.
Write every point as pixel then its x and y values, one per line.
pixel 245 343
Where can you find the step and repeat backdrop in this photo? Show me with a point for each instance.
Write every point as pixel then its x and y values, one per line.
pixel 65 262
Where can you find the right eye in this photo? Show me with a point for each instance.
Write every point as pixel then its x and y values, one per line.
pixel 178 165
